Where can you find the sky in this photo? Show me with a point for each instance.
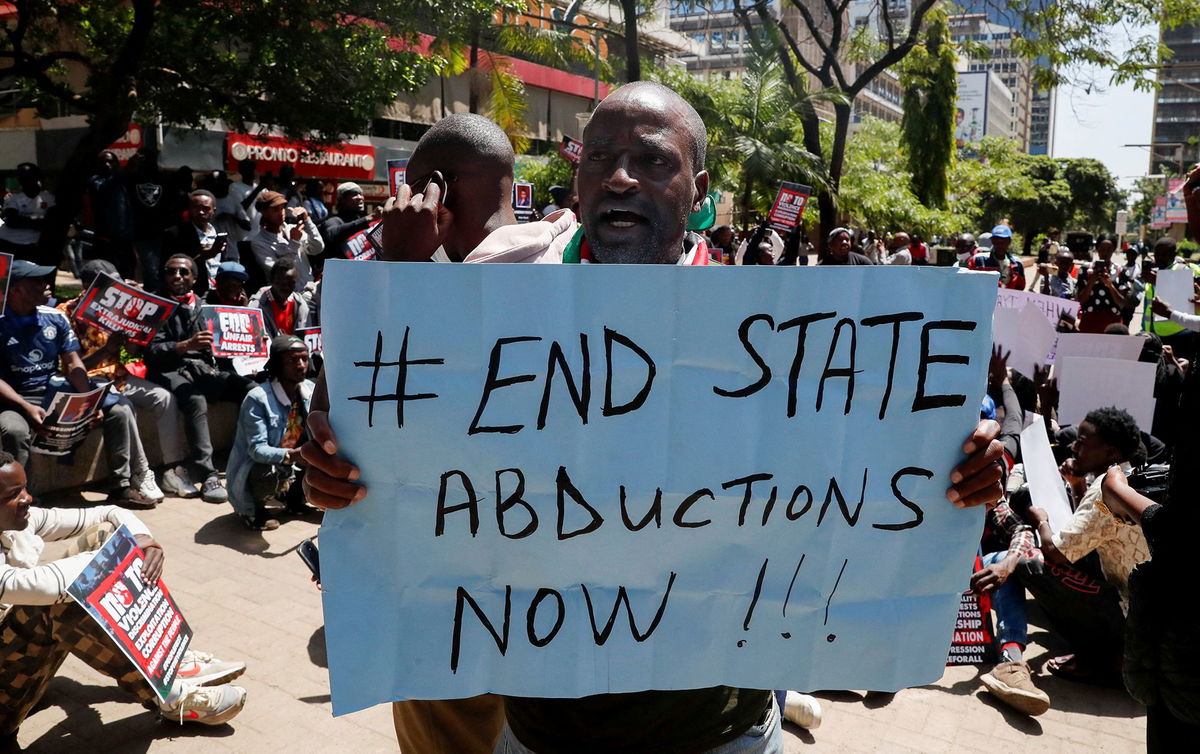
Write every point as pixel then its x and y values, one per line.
pixel 1098 122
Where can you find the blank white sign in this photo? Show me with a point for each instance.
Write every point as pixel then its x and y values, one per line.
pixel 1086 384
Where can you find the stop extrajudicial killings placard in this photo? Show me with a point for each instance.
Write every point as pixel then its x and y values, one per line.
pixel 111 305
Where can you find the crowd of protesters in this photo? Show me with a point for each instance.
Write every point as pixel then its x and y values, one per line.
pixel 1102 580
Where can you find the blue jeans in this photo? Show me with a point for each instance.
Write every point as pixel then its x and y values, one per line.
pixel 765 738
pixel 1009 603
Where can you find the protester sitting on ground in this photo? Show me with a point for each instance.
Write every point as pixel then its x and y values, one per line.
pixel 998 259
pixel 1059 280
pixel 635 210
pixel 285 233
pixel 180 359
pixel 40 624
pixel 1104 289
pixel 265 468
pixel 36 339
pixel 105 356
pixel 1088 610
pixel 197 238
pixel 24 214
pixel 230 286
pixel 837 250
pixel 284 310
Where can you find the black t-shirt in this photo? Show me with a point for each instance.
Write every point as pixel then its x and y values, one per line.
pixel 853 258
pixel 649 722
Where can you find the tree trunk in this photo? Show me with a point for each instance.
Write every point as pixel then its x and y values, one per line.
pixel 474 75
pixel 633 61
pixel 747 192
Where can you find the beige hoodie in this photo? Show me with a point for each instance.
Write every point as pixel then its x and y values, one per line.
pixel 538 242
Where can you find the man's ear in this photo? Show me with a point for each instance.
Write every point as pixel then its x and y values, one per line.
pixel 701 183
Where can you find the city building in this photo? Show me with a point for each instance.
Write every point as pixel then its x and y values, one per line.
pixel 1177 105
pixel 984 107
pixel 1016 73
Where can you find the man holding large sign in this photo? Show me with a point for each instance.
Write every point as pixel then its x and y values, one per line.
pixel 664 378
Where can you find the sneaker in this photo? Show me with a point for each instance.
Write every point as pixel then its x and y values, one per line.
pixel 208 705
pixel 145 484
pixel 203 669
pixel 803 710
pixel 213 491
pixel 128 497
pixel 1010 682
pixel 177 483
pixel 261 522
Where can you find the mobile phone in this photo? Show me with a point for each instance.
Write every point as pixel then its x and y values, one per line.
pixel 308 552
pixel 219 243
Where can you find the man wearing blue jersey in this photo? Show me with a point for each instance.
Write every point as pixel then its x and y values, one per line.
pixel 34 340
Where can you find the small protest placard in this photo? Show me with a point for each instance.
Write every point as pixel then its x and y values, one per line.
pixel 571 150
pixel 140 618
pixel 365 243
pixel 1176 288
pixel 1051 307
pixel 1046 488
pixel 237 330
pixel 974 643
pixel 67 422
pixel 115 307
pixel 788 207
pixel 5 270
pixel 397 171
pixel 312 338
pixel 556 505
pixel 523 201
pixel 1087 383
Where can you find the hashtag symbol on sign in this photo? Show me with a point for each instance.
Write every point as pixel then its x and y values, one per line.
pixel 401 365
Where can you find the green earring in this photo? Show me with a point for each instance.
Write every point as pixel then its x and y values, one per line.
pixel 706 216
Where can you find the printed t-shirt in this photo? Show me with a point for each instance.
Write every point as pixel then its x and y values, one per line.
pixel 32 346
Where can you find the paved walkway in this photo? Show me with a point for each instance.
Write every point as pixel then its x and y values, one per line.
pixel 248 596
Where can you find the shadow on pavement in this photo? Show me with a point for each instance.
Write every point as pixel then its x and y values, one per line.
pixel 316 648
pixel 1017 720
pixel 228 531
pixel 83 727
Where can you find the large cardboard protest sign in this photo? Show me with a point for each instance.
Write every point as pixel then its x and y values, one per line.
pixel 1025 335
pixel 1098 346
pixel 1087 383
pixel 142 619
pixel 237 330
pixel 571 150
pixel 547 516
pixel 788 207
pixel 115 307
pixel 1051 306
pixel 68 420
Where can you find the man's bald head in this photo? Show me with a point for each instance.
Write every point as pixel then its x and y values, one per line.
pixel 656 96
pixel 465 135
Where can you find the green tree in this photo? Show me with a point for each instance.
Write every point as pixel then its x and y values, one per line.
pixel 1066 38
pixel 1148 191
pixel 1094 194
pixel 930 86
pixel 314 68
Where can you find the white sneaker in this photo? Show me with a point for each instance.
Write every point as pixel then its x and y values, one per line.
pixel 207 705
pixel 203 669
pixel 178 483
pixel 802 710
pixel 145 484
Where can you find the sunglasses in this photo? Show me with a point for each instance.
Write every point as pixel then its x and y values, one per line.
pixel 182 272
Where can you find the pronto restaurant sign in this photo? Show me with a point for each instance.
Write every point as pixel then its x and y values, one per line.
pixel 356 161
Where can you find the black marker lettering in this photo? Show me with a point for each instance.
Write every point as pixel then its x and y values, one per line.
pixel 581 396
pixel 611 336
pixel 764 369
pixel 895 320
pixel 847 372
pixel 471 505
pixel 921 401
pixel 798 360
pixel 516 497
pixel 919 515
pixel 492 383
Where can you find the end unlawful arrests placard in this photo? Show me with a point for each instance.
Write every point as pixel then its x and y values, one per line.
pixel 616 478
